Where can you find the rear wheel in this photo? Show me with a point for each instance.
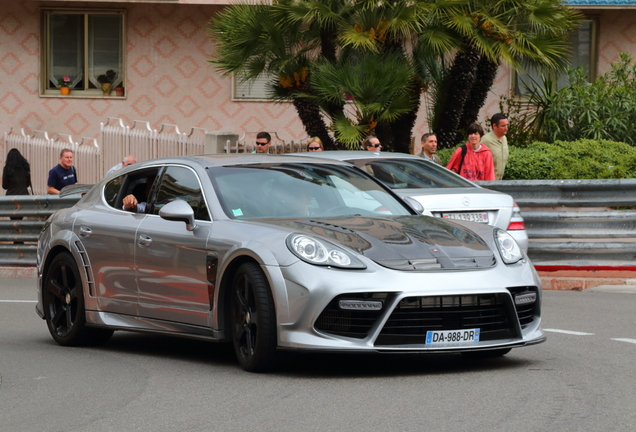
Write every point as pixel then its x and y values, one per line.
pixel 253 319
pixel 63 299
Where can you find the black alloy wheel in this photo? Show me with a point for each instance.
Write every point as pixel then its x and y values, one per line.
pixel 253 319
pixel 63 299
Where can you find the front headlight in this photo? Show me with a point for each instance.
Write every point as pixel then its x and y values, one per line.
pixel 321 252
pixel 508 248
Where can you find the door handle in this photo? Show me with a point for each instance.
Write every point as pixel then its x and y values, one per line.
pixel 144 240
pixel 85 231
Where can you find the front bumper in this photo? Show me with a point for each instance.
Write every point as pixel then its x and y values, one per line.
pixel 413 303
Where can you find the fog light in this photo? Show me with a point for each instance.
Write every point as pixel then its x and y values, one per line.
pixel 360 305
pixel 525 298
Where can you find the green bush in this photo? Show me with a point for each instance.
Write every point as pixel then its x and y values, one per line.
pixel 583 159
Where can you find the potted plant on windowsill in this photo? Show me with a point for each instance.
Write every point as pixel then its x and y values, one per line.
pixel 65 84
pixel 119 90
pixel 106 80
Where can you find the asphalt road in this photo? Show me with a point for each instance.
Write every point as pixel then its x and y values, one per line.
pixel 582 379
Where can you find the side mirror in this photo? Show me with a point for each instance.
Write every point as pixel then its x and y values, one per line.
pixel 180 211
pixel 414 204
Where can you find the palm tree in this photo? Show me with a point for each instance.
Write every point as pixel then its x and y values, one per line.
pixel 363 64
pixel 532 32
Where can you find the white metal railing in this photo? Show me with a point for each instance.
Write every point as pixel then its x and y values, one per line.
pixel 43 153
pixel 92 160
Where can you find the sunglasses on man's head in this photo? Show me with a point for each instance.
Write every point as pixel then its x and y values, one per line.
pixel 313 148
pixel 261 143
pixel 374 145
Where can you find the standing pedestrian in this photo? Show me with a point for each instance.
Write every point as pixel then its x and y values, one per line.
pixel 372 143
pixel 497 142
pixel 63 174
pixel 128 160
pixel 314 144
pixel 16 176
pixel 473 161
pixel 429 148
pixel 263 141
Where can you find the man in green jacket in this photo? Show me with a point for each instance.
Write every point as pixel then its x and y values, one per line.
pixel 497 142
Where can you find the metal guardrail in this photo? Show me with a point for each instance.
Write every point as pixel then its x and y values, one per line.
pixel 18 238
pixel 563 229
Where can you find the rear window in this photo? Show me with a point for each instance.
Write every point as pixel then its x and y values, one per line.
pixel 411 174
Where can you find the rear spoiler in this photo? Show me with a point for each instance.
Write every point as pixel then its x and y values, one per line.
pixel 75 189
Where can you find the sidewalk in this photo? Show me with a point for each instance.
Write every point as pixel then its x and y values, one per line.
pixel 564 280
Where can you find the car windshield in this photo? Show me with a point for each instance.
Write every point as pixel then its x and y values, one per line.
pixel 411 173
pixel 300 190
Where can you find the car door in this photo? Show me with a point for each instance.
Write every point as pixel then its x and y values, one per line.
pixel 107 235
pixel 170 260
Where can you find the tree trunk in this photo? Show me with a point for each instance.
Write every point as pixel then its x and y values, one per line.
pixel 461 78
pixel 403 127
pixel 486 74
pixel 312 119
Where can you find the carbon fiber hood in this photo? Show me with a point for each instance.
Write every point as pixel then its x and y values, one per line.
pixel 401 243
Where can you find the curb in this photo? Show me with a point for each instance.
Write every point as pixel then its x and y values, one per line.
pixel 579 280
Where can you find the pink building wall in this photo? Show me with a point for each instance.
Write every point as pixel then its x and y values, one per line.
pixel 169 79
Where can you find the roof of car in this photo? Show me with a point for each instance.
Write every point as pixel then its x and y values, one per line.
pixel 210 160
pixel 347 155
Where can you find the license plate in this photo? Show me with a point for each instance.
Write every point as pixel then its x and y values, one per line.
pixel 452 337
pixel 470 217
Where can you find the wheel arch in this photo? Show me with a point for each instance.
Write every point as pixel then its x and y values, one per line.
pixel 223 300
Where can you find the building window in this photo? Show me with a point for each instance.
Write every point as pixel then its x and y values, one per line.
pixel 86 46
pixel 582 55
pixel 255 89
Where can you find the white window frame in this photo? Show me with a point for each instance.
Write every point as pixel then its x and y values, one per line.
pixel 46 89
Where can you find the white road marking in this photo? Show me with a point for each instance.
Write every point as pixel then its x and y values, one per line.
pixel 625 340
pixel 18 301
pixel 569 332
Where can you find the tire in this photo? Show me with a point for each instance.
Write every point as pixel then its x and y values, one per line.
pixel 63 299
pixel 253 319
pixel 487 353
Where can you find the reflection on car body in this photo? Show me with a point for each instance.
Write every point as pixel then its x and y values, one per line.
pixel 280 252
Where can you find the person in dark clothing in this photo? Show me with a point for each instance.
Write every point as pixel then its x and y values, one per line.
pixel 63 174
pixel 16 177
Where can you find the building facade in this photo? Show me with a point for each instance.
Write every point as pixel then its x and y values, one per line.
pixel 160 50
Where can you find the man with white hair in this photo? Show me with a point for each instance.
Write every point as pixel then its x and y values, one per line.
pixel 128 160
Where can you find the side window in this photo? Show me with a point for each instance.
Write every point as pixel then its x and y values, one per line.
pixel 181 183
pixel 137 183
pixel 111 191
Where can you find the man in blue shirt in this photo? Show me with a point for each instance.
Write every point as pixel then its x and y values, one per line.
pixel 63 174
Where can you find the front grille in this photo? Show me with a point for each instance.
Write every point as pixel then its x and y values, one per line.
pixel 350 323
pixel 526 312
pixel 414 316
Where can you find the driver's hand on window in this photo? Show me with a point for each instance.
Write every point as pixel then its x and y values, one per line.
pixel 130 202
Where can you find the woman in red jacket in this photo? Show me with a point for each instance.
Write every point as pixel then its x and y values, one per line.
pixel 473 161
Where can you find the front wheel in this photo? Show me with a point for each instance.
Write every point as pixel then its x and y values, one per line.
pixel 63 299
pixel 253 319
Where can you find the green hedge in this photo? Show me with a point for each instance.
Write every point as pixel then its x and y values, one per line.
pixel 583 159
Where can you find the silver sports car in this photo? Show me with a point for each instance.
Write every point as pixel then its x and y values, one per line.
pixel 440 191
pixel 279 252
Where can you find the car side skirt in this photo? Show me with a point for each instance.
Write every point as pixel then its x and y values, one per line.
pixel 148 325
